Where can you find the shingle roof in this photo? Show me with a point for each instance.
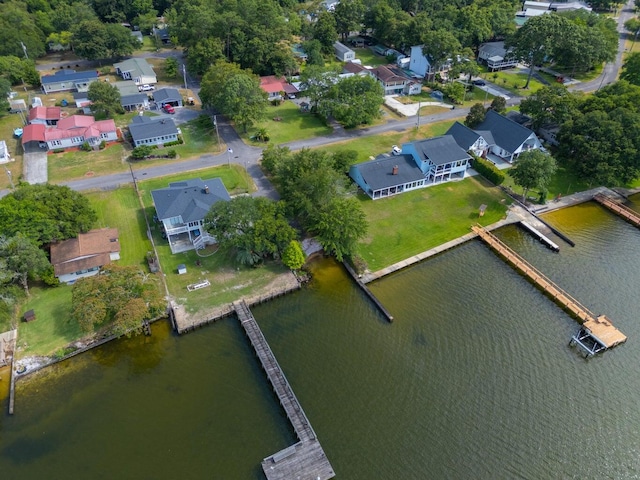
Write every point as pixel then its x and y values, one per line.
pixel 146 127
pixel 135 99
pixel 68 76
pixel 463 135
pixel 341 48
pixel 189 199
pixel 91 249
pixel 127 87
pixel 507 134
pixel 378 173
pixel 440 150
pixel 167 95
pixel 138 66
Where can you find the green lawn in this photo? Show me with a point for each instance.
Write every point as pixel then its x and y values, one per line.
pixel 513 80
pixel 368 57
pixel 430 217
pixel 292 125
pixel 8 122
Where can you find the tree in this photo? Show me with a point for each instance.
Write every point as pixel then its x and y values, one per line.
pixel 534 169
pixel 171 67
pixel 325 31
pixel 439 46
pixel 633 26
pixel 19 70
pixel 105 99
pixel 475 116
pixel 631 69
pixel 18 27
pixel 293 256
pixel 5 88
pixel 316 82
pixel 90 40
pixel 45 213
pixel 313 49
pixel 551 105
pixel 455 91
pixel 117 301
pixel 339 226
pixel 236 93
pixel 254 228
pixel 349 15
pixel 21 259
pixel 499 104
pixel 203 54
pixel 120 42
pixel 352 101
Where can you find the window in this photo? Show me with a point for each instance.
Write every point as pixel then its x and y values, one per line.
pixel 56 143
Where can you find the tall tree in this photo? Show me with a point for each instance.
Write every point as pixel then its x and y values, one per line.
pixel 353 101
pixel 534 169
pixel 105 99
pixel 339 226
pixel 631 69
pixel 204 54
pixel 551 105
pixel 21 259
pixel 439 46
pixel 317 81
pixel 90 40
pixel 349 15
pixel 325 31
pixel 475 116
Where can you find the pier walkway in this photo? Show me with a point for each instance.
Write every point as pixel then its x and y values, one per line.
pixel 597 327
pixel 629 215
pixel 306 459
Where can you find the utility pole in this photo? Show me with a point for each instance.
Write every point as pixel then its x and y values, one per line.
pixel 215 123
pixel 229 152
pixel 418 123
pixel 24 49
pixel 184 75
pixel 10 178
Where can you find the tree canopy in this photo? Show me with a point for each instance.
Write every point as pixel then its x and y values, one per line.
pixel 352 101
pixel 45 213
pixel 551 105
pixel 20 260
pixel 631 69
pixel 534 169
pixel 105 99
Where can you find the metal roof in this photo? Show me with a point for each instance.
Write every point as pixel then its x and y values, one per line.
pixel 68 76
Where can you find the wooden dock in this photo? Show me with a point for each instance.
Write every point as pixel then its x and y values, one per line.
pixel 598 327
pixel 368 292
pixel 629 215
pixel 306 459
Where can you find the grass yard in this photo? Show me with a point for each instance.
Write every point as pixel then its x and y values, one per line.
pixel 375 145
pixel 292 125
pixel 369 57
pixel 564 182
pixel 121 209
pixel 8 123
pixel 410 223
pixel 513 80
pixel 78 164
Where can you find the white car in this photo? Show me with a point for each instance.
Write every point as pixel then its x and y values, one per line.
pixel 146 88
pixel 396 150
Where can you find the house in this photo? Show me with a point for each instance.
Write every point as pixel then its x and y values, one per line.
pixel 343 53
pixel 4 152
pixel 152 130
pixel 275 86
pixel 440 158
pixel 127 87
pixel 500 136
pixel 394 81
pixel 356 69
pixel 387 175
pixel 137 101
pixel 67 80
pixel 496 56
pixel 138 70
pixel 421 66
pixel 167 96
pixel 84 255
pixel 44 115
pixel 182 208
pixel 71 132
pixel 532 8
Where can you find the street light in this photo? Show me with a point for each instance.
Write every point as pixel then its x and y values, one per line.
pixel 229 152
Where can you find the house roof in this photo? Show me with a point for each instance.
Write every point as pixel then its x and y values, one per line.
pixel 44 113
pixel 440 150
pixel 190 199
pixel 388 74
pixel 127 87
pixel 378 173
pixel 87 250
pixel 167 95
pixel 73 126
pixel 137 67
pixel 273 84
pixel 354 68
pixel 80 95
pixel 341 48
pixel 507 134
pixel 33 133
pixel 68 76
pixel 76 121
pixel 135 99
pixel 493 49
pixel 463 135
pixel 142 127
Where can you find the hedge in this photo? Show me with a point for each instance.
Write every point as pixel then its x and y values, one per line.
pixel 488 170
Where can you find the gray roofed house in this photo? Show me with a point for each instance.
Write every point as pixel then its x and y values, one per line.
pixel 510 138
pixel 135 102
pixel 440 158
pixel 496 56
pixel 387 176
pixel 182 208
pixel 138 70
pixel 167 96
pixel 343 53
pixel 127 87
pixel 469 140
pixel 65 80
pixel 152 130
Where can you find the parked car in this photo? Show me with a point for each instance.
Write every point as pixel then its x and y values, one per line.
pixel 169 108
pixel 146 88
pixel 396 150
pixel 479 83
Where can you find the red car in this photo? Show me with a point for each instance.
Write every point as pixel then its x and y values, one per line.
pixel 169 109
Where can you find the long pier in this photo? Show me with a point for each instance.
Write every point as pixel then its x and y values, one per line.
pixel 629 215
pixel 306 459
pixel 598 328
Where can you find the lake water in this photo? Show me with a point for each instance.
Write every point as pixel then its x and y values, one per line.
pixel 474 379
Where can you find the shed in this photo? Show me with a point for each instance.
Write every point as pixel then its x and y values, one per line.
pixel 182 268
pixel 29 316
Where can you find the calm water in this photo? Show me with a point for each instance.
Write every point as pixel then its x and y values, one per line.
pixel 474 379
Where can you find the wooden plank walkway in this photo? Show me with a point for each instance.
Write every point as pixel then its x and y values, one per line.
pixel 609 335
pixel 306 459
pixel 629 215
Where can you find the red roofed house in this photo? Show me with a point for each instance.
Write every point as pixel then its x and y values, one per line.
pixel 394 81
pixel 71 132
pixel 45 115
pixel 274 86
pixel 85 255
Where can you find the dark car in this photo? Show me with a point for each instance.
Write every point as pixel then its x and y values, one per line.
pixel 479 83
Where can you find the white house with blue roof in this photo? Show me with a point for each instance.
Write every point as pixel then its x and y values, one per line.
pixel 68 80
pixel 182 207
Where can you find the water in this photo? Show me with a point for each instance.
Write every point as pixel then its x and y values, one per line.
pixel 474 379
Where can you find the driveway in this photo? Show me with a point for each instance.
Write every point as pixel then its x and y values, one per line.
pixel 410 109
pixel 34 165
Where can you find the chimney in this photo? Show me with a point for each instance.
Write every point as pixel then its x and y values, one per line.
pixel 206 189
pixel 395 170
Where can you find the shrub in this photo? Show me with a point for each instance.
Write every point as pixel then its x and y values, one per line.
pixel 106 70
pixel 142 151
pixel 488 170
pixel 177 142
pixel 58 150
pixel 102 145
pixel 172 153
pixel 85 147
pixel 276 102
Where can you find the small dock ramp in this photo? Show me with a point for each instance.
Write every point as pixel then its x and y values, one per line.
pixel 629 215
pixel 306 459
pixel 594 328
